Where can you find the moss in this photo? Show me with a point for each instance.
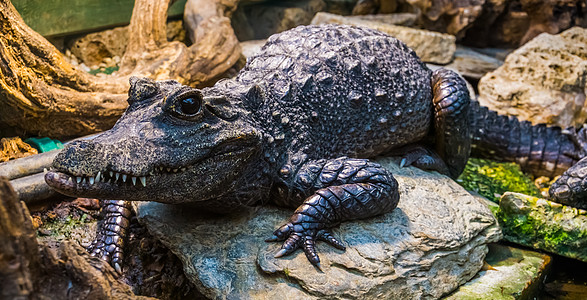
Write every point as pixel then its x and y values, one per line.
pixel 544 225
pixel 65 228
pixel 492 179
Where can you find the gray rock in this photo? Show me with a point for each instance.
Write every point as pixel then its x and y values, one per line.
pixel 473 64
pixel 432 243
pixel 432 47
pixel 544 81
pixel 511 273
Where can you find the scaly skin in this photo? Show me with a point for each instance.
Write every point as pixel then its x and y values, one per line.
pixel 540 150
pixel 293 128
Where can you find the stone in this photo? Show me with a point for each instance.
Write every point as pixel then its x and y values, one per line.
pixel 544 225
pixel 473 64
pixel 452 17
pixel 93 48
pixel 511 273
pixel 552 16
pixel 544 81
pixel 431 244
pixel 402 19
pixel 432 47
pixel 260 20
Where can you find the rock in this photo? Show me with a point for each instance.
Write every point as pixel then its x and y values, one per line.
pixel 340 7
pixel 544 81
pixel 544 225
pixel 402 19
pixel 432 243
pixel 452 17
pixel 552 16
pixel 259 21
pixel 431 46
pixel 94 48
pixel 485 23
pixel 473 64
pixel 511 273
pixel 366 7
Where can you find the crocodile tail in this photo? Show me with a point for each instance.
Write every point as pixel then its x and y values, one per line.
pixel 539 149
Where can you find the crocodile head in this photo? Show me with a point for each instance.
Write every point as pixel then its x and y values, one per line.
pixel 173 144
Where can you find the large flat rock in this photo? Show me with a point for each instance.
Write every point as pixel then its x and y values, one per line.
pixel 432 243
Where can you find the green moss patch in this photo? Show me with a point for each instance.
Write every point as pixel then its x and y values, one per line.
pixel 492 179
pixel 545 225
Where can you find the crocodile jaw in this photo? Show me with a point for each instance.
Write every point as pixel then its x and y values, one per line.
pixel 163 184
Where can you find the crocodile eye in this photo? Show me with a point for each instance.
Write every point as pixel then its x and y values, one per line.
pixel 186 105
pixel 189 106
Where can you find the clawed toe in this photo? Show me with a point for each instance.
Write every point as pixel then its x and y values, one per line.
pixel 306 240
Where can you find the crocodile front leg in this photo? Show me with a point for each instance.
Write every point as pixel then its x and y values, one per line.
pixel 333 191
pixel 112 232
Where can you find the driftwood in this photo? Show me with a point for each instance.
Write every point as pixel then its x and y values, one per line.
pixel 41 93
pixel 32 271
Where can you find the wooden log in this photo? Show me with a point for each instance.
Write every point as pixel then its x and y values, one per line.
pixel 41 93
pixel 32 271
pixel 19 254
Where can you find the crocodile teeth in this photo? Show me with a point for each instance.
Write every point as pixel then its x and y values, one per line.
pixel 91 179
pixel 183 169
pixel 69 180
pixel 152 173
pixel 111 174
pixel 117 175
pixel 123 177
pixel 175 170
pixel 143 180
pixel 134 180
pixel 98 176
pixel 45 170
pixel 168 169
pixel 78 179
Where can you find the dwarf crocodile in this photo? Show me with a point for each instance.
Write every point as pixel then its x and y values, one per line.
pixel 294 128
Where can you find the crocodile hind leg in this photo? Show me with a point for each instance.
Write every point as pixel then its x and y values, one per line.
pixel 452 141
pixel 112 232
pixel 332 191
pixel 451 119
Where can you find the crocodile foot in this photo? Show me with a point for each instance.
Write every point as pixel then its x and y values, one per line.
pixel 112 232
pixel 303 234
pixel 422 158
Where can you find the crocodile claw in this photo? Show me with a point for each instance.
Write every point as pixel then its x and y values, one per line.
pixel 296 237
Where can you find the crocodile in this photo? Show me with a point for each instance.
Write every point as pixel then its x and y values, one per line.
pixel 295 128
